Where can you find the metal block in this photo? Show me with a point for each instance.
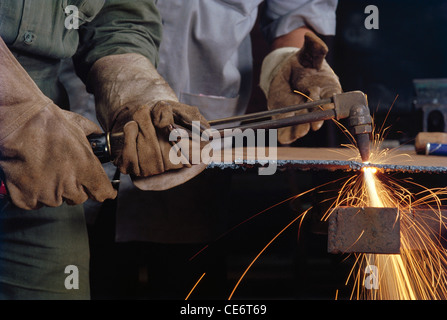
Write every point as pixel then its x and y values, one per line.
pixel 364 230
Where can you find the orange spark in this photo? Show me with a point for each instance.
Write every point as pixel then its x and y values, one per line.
pixel 195 285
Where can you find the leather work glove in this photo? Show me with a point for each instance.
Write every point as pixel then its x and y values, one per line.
pixel 44 152
pixel 131 97
pixel 287 70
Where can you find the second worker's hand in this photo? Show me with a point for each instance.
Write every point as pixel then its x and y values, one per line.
pixel 292 76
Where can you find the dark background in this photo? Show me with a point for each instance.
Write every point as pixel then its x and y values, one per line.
pixel 409 44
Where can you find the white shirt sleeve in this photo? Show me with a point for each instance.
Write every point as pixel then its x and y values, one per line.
pixel 282 16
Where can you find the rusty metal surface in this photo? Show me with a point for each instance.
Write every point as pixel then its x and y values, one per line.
pixel 364 230
pixel 404 160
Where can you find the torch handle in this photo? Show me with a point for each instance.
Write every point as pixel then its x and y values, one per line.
pixel 100 144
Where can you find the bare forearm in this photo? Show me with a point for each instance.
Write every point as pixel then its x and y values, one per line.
pixel 295 38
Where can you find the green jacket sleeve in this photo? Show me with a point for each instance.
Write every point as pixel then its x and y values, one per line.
pixel 132 26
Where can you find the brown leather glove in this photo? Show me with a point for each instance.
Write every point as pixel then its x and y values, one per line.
pixel 287 70
pixel 44 153
pixel 131 97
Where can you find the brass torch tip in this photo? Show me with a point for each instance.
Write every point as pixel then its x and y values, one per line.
pixel 363 146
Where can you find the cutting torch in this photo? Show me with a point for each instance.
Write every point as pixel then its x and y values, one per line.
pixel 351 105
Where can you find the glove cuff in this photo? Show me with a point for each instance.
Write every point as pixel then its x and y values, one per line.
pixel 20 97
pixel 125 81
pixel 272 64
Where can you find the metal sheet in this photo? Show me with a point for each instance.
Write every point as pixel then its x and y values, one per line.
pixel 402 160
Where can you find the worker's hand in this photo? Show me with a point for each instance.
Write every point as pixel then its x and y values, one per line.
pixel 44 152
pixel 49 160
pixel 292 76
pixel 131 97
pixel 146 150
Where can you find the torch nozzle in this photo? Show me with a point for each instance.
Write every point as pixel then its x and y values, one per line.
pixel 363 146
pixel 361 123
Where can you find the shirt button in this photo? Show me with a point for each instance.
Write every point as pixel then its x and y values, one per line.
pixel 29 37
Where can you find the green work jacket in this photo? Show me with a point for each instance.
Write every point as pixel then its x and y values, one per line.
pixel 42 33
